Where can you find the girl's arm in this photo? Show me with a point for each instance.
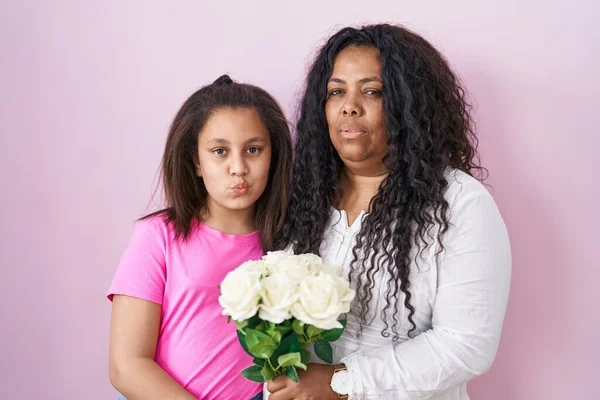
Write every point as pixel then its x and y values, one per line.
pixel 133 337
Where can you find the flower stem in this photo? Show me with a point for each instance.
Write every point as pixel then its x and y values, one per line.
pixel 271 365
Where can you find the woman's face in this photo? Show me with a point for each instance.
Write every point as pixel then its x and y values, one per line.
pixel 354 109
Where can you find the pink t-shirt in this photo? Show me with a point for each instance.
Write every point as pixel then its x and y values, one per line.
pixel 196 345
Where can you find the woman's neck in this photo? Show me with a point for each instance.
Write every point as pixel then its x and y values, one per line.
pixel 358 189
pixel 364 183
pixel 363 180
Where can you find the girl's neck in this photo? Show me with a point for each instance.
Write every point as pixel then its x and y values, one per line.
pixel 231 222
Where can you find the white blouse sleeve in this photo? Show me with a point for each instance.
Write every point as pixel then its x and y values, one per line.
pixel 473 279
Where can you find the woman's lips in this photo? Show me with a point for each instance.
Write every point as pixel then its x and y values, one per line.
pixel 352 132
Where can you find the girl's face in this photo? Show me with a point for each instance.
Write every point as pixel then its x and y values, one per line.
pixel 234 156
pixel 354 109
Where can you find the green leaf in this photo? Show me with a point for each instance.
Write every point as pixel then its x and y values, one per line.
pixel 324 351
pixel 334 334
pixel 228 318
pixel 242 339
pixel 287 323
pixel 263 350
pixel 313 332
pixel 301 366
pixel 289 359
pixel 298 327
pixel 289 344
pixel 284 329
pixel 292 374
pixel 259 344
pixel 267 372
pixel 254 321
pixel 263 327
pixel 253 374
pixel 303 341
pixel 254 337
pixel 241 324
pixel 275 335
pixel 260 361
pixel 306 356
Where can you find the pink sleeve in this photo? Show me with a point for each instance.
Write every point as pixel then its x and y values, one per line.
pixel 142 270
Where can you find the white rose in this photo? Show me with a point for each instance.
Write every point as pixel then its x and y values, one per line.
pixel 240 294
pixel 296 268
pixel 312 262
pixel 327 269
pixel 278 293
pixel 309 259
pixel 274 257
pixel 254 266
pixel 319 302
pixel 345 294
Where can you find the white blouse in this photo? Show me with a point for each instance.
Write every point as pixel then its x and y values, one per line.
pixel 460 299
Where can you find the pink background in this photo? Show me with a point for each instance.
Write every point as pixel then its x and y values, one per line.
pixel 88 90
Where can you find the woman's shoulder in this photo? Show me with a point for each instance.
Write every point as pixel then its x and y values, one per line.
pixel 472 204
pixel 462 187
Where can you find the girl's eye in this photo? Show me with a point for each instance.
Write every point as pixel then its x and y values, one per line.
pixel 219 152
pixel 335 92
pixel 253 150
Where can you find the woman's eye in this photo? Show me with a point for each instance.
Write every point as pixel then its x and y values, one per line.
pixel 373 92
pixel 219 152
pixel 253 150
pixel 335 92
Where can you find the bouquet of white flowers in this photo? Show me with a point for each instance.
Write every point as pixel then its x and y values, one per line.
pixel 280 305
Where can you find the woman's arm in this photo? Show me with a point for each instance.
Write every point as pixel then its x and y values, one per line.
pixel 473 279
pixel 133 337
pixel 472 292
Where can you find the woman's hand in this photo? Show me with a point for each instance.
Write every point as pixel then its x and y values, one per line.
pixel 314 385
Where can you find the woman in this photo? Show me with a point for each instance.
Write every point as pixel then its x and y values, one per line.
pixel 383 184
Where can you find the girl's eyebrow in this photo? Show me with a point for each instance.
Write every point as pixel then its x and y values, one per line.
pixel 255 139
pixel 218 141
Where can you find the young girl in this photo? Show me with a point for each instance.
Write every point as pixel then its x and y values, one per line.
pixel 225 172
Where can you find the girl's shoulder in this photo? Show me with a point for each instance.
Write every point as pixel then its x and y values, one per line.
pixel 157 225
pixel 154 222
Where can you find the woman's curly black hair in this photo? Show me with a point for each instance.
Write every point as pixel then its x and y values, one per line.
pixel 429 130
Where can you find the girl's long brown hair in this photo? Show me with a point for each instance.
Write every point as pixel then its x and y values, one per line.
pixel 184 192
